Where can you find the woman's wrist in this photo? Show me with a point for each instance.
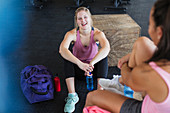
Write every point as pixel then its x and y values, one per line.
pixel 92 63
pixel 78 62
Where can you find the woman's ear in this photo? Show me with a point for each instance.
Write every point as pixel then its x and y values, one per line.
pixel 159 32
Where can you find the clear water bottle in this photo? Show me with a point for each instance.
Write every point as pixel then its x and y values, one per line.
pixel 89 81
pixel 128 92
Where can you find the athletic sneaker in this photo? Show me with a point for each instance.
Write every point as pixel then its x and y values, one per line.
pixel 112 84
pixel 71 100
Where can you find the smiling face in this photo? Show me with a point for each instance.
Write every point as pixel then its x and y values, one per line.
pixel 83 20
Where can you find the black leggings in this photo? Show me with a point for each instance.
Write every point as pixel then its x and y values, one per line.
pixel 131 106
pixel 72 70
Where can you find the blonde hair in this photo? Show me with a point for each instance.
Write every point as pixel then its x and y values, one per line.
pixel 82 9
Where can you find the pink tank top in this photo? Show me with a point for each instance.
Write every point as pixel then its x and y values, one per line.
pixel 85 54
pixel 148 105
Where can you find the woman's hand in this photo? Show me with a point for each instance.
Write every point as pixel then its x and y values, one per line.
pixel 89 69
pixel 123 60
pixel 85 67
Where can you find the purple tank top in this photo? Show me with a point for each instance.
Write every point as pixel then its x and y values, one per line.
pixel 85 54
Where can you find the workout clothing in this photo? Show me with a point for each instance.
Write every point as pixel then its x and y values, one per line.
pixel 131 106
pixel 147 105
pixel 150 106
pixel 85 53
pixel 72 70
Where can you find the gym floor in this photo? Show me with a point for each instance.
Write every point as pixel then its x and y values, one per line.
pixel 30 36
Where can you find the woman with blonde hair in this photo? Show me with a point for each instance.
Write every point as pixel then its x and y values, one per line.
pixel 85 56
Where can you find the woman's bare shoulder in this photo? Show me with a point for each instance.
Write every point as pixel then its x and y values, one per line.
pixel 141 77
pixel 144 67
pixel 98 33
pixel 71 34
pixel 164 64
pixel 142 71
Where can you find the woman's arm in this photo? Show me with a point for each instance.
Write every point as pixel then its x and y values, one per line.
pixel 123 60
pixel 105 47
pixel 64 48
pixel 136 78
pixel 66 53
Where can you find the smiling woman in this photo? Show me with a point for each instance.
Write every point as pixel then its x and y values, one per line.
pixel 84 56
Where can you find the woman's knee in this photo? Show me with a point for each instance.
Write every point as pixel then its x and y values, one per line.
pixel 69 79
pixel 140 43
pixel 90 97
pixel 142 50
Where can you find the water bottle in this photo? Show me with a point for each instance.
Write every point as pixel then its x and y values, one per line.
pixel 57 84
pixel 128 92
pixel 89 81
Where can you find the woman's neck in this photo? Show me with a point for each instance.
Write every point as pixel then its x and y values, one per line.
pixel 85 31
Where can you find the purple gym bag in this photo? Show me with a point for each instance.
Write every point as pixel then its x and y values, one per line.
pixel 37 84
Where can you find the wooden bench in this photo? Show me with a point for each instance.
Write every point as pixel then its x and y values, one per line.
pixel 121 31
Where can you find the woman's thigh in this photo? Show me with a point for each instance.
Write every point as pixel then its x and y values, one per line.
pixel 101 68
pixel 106 100
pixel 72 70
